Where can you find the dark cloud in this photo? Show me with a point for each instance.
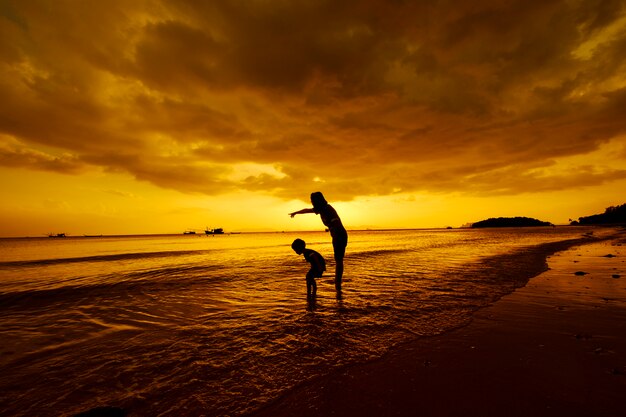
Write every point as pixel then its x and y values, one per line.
pixel 514 181
pixel 171 55
pixel 358 98
pixel 185 121
pixel 595 15
pixel 15 155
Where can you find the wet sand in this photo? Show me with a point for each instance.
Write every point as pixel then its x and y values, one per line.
pixel 555 347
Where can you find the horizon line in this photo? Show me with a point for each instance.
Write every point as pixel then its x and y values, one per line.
pixel 358 229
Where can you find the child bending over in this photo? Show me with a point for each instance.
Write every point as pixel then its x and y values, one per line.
pixel 318 265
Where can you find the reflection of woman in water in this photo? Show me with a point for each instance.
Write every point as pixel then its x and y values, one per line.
pixel 335 227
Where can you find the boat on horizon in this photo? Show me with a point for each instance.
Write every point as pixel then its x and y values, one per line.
pixel 216 231
pixel 56 234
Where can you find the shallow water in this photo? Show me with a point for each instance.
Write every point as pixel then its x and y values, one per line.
pixel 219 325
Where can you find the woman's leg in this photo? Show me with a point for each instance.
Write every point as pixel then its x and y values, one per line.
pixel 340 251
pixel 338 272
pixel 339 247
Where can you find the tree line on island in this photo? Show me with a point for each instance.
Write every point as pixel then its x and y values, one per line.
pixel 510 222
pixel 612 215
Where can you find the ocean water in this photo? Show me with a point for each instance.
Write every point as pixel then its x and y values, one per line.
pixel 220 325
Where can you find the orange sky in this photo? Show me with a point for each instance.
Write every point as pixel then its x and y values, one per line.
pixel 161 116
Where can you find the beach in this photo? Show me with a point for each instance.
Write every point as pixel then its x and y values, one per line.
pixel 431 322
pixel 553 347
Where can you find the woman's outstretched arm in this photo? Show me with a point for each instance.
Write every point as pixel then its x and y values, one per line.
pixel 303 211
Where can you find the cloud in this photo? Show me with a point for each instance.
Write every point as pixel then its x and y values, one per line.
pixel 13 154
pixel 360 98
pixel 119 193
pixel 515 181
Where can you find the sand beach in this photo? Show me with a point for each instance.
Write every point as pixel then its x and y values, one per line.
pixel 555 347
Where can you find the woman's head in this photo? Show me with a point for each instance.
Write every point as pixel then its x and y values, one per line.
pixel 318 200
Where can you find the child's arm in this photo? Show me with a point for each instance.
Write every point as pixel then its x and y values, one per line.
pixel 303 211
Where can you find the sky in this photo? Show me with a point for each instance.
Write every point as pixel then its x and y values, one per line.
pixel 149 116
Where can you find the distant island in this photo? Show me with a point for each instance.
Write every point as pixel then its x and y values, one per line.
pixel 510 222
pixel 612 215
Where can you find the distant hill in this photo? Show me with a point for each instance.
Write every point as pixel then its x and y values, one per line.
pixel 612 215
pixel 510 222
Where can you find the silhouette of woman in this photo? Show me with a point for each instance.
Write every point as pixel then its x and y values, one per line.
pixel 331 220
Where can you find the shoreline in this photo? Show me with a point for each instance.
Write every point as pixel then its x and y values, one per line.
pixel 554 346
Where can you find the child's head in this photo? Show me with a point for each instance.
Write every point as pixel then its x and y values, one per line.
pixel 298 246
pixel 318 200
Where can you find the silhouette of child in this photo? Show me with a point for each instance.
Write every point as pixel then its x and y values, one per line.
pixel 331 219
pixel 318 265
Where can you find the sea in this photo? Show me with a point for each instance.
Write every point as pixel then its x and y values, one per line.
pixel 220 325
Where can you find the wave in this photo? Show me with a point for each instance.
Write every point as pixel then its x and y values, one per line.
pixel 112 285
pixel 102 258
pixel 514 268
pixel 366 254
pixel 412 248
pixel 524 263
